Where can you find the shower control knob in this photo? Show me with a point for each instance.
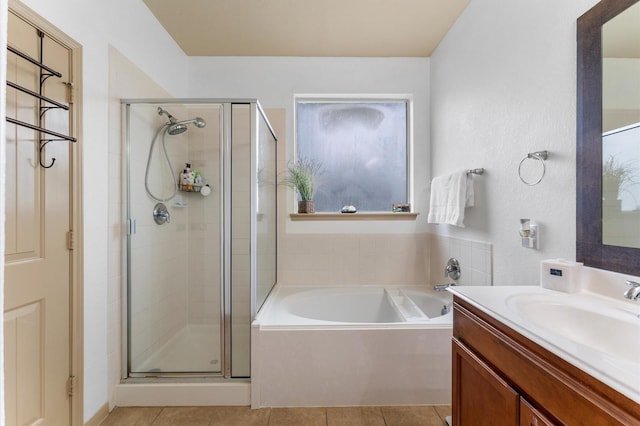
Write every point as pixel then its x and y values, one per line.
pixel 161 214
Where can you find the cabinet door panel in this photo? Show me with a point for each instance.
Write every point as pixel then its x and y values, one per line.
pixel 480 397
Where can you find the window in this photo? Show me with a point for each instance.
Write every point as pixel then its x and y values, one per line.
pixel 363 147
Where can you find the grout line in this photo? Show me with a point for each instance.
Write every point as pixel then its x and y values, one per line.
pixel 156 417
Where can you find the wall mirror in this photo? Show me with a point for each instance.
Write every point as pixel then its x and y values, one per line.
pixel 608 137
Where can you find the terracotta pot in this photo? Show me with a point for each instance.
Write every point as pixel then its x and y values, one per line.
pixel 306 207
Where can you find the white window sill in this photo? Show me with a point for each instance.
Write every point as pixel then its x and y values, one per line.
pixel 354 216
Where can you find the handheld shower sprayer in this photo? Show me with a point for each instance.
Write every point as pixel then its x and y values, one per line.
pixel 172 127
pixel 176 127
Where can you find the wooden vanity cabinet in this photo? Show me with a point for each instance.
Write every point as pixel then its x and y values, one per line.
pixel 502 378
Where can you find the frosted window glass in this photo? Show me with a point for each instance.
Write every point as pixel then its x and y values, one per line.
pixel 362 147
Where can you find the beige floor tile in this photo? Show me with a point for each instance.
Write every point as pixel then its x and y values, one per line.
pixel 298 417
pixel 132 416
pixel 411 416
pixel 354 416
pixel 443 410
pixel 184 416
pixel 240 416
pixel 245 416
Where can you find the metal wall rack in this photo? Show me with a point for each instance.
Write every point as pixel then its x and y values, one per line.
pixel 45 103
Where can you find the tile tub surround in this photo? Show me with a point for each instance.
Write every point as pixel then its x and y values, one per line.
pixel 475 257
pixel 353 259
pixel 324 363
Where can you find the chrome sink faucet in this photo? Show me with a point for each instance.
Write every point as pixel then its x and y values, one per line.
pixel 633 292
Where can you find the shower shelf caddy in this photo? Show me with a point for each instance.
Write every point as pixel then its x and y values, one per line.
pixel 45 103
pixel 190 188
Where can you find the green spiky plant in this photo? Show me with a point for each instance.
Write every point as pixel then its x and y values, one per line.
pixel 615 175
pixel 302 175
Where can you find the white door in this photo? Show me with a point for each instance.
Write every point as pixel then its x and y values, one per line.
pixel 37 320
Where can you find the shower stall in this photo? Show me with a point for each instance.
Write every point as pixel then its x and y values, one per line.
pixel 200 208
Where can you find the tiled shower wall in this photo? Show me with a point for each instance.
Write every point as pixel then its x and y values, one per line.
pixel 159 253
pixel 203 221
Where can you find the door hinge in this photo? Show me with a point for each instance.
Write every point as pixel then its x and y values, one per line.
pixel 71 385
pixel 71 92
pixel 70 241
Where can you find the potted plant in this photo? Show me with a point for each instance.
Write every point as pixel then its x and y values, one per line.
pixel 614 176
pixel 301 176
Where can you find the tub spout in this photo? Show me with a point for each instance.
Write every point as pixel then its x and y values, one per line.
pixel 443 287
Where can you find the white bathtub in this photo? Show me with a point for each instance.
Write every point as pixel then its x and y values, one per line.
pixel 346 346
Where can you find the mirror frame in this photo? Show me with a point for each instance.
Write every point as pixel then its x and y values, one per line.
pixel 589 247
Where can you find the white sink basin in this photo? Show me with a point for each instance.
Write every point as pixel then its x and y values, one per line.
pixel 607 328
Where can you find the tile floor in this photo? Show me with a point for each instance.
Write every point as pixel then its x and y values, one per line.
pixel 245 416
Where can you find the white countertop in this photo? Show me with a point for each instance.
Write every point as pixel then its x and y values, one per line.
pixel 618 367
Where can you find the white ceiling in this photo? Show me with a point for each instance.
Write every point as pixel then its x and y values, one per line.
pixel 355 28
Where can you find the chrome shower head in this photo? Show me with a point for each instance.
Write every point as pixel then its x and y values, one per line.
pixel 176 128
pixel 181 126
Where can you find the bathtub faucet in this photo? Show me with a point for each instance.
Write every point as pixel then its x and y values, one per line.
pixel 443 287
pixel 452 269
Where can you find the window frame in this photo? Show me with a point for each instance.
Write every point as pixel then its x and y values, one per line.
pixel 407 99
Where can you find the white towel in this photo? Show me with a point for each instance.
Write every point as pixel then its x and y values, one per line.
pixel 449 196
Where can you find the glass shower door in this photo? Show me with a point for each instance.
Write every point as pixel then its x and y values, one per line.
pixel 253 227
pixel 175 263
pixel 201 255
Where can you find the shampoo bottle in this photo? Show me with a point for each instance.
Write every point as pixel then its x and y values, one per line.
pixel 186 181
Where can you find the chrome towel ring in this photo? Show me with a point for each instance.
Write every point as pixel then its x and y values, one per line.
pixel 537 156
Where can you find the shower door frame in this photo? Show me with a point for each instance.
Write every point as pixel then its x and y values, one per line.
pixel 226 138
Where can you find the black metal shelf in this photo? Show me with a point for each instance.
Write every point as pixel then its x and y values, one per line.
pixel 49 72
